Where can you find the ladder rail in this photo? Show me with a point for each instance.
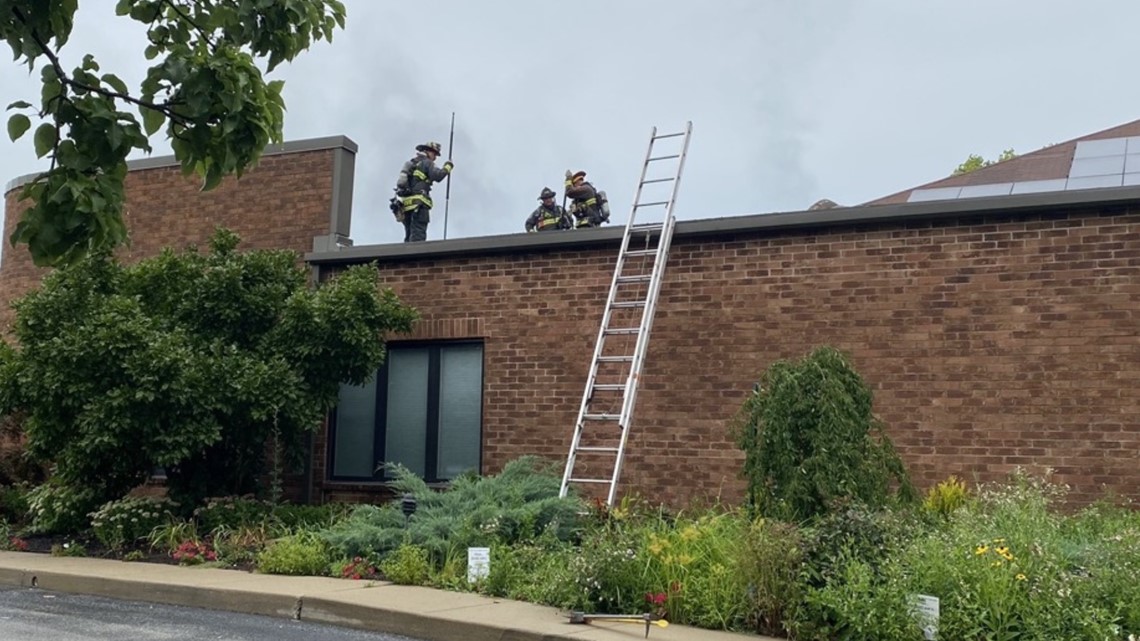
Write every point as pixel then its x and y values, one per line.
pixel 648 312
pixel 641 349
pixel 599 342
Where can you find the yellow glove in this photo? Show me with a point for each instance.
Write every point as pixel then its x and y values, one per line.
pixel 447 166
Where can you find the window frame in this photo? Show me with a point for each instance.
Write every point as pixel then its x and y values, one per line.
pixel 380 428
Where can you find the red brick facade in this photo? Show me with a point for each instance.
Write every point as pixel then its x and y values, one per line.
pixel 990 341
pixel 283 203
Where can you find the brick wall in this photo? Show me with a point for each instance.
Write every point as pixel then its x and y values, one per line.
pixel 283 203
pixel 989 341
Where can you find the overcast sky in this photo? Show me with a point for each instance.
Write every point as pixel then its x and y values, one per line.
pixel 791 101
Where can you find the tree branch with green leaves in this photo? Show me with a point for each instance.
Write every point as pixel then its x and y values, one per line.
pixel 206 89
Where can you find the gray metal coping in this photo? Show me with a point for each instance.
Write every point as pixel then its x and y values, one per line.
pixel 156 162
pixel 869 214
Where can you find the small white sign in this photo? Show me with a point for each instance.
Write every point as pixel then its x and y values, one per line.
pixel 478 563
pixel 926 610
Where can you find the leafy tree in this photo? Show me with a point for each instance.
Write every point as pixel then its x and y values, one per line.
pixel 191 361
pixel 810 439
pixel 975 162
pixel 206 89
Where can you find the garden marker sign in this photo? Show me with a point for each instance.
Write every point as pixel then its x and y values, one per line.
pixel 478 563
pixel 925 609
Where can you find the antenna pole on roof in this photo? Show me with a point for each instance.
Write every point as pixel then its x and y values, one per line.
pixel 447 198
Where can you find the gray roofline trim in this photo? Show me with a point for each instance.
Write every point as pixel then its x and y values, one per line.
pixel 868 214
pixel 157 162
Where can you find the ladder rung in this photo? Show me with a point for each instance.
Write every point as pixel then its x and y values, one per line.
pixel 598 449
pixel 660 136
pixel 650 227
pixel 609 387
pixel 640 252
pixel 664 157
pixel 623 330
pixel 601 417
pixel 615 359
pixel 657 180
pixel 625 304
pixel 652 204
pixel 640 278
pixel 574 480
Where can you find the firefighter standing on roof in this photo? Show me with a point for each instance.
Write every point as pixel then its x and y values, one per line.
pixel 585 207
pixel 413 188
pixel 549 216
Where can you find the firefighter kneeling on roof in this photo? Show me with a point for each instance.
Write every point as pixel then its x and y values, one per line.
pixel 591 208
pixel 412 204
pixel 549 216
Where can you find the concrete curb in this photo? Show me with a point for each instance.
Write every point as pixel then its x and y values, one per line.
pixel 423 613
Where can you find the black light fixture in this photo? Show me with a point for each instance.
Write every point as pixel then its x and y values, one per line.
pixel 408 507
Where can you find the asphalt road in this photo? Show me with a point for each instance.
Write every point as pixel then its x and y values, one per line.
pixel 35 615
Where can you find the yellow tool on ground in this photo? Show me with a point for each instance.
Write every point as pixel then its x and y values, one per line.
pixel 647 618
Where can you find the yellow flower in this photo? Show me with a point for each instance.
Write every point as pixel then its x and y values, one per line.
pixel 982 549
pixel 690 533
pixel 655 548
pixel 996 564
pixel 1020 577
pixel 684 559
pixel 999 540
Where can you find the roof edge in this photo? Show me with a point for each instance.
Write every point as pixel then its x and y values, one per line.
pixel 863 214
pixel 157 162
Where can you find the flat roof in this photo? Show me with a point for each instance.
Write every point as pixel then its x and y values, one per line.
pixel 156 162
pixel 865 214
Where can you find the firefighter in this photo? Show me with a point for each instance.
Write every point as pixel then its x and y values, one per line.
pixel 589 204
pixel 549 216
pixel 413 190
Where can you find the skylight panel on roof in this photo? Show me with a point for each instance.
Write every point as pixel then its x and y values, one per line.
pixel 1105 147
pixel 1095 182
pixel 1038 186
pixel 977 191
pixel 1097 166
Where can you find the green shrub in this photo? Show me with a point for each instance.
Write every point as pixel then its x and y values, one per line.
pixel 59 509
pixel 1004 566
pixel 231 512
pixel 946 497
pixel 308 517
pixel 241 545
pixel 407 565
pixel 297 554
pixel 518 504
pixel 14 502
pixel 859 602
pixel 694 563
pixel 771 565
pixel 809 438
pixel 539 572
pixel 854 531
pixel 169 535
pixel 122 522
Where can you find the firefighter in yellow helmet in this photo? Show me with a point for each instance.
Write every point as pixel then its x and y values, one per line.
pixel 590 207
pixel 549 216
pixel 413 190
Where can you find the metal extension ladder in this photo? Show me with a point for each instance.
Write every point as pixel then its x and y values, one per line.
pixel 604 418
